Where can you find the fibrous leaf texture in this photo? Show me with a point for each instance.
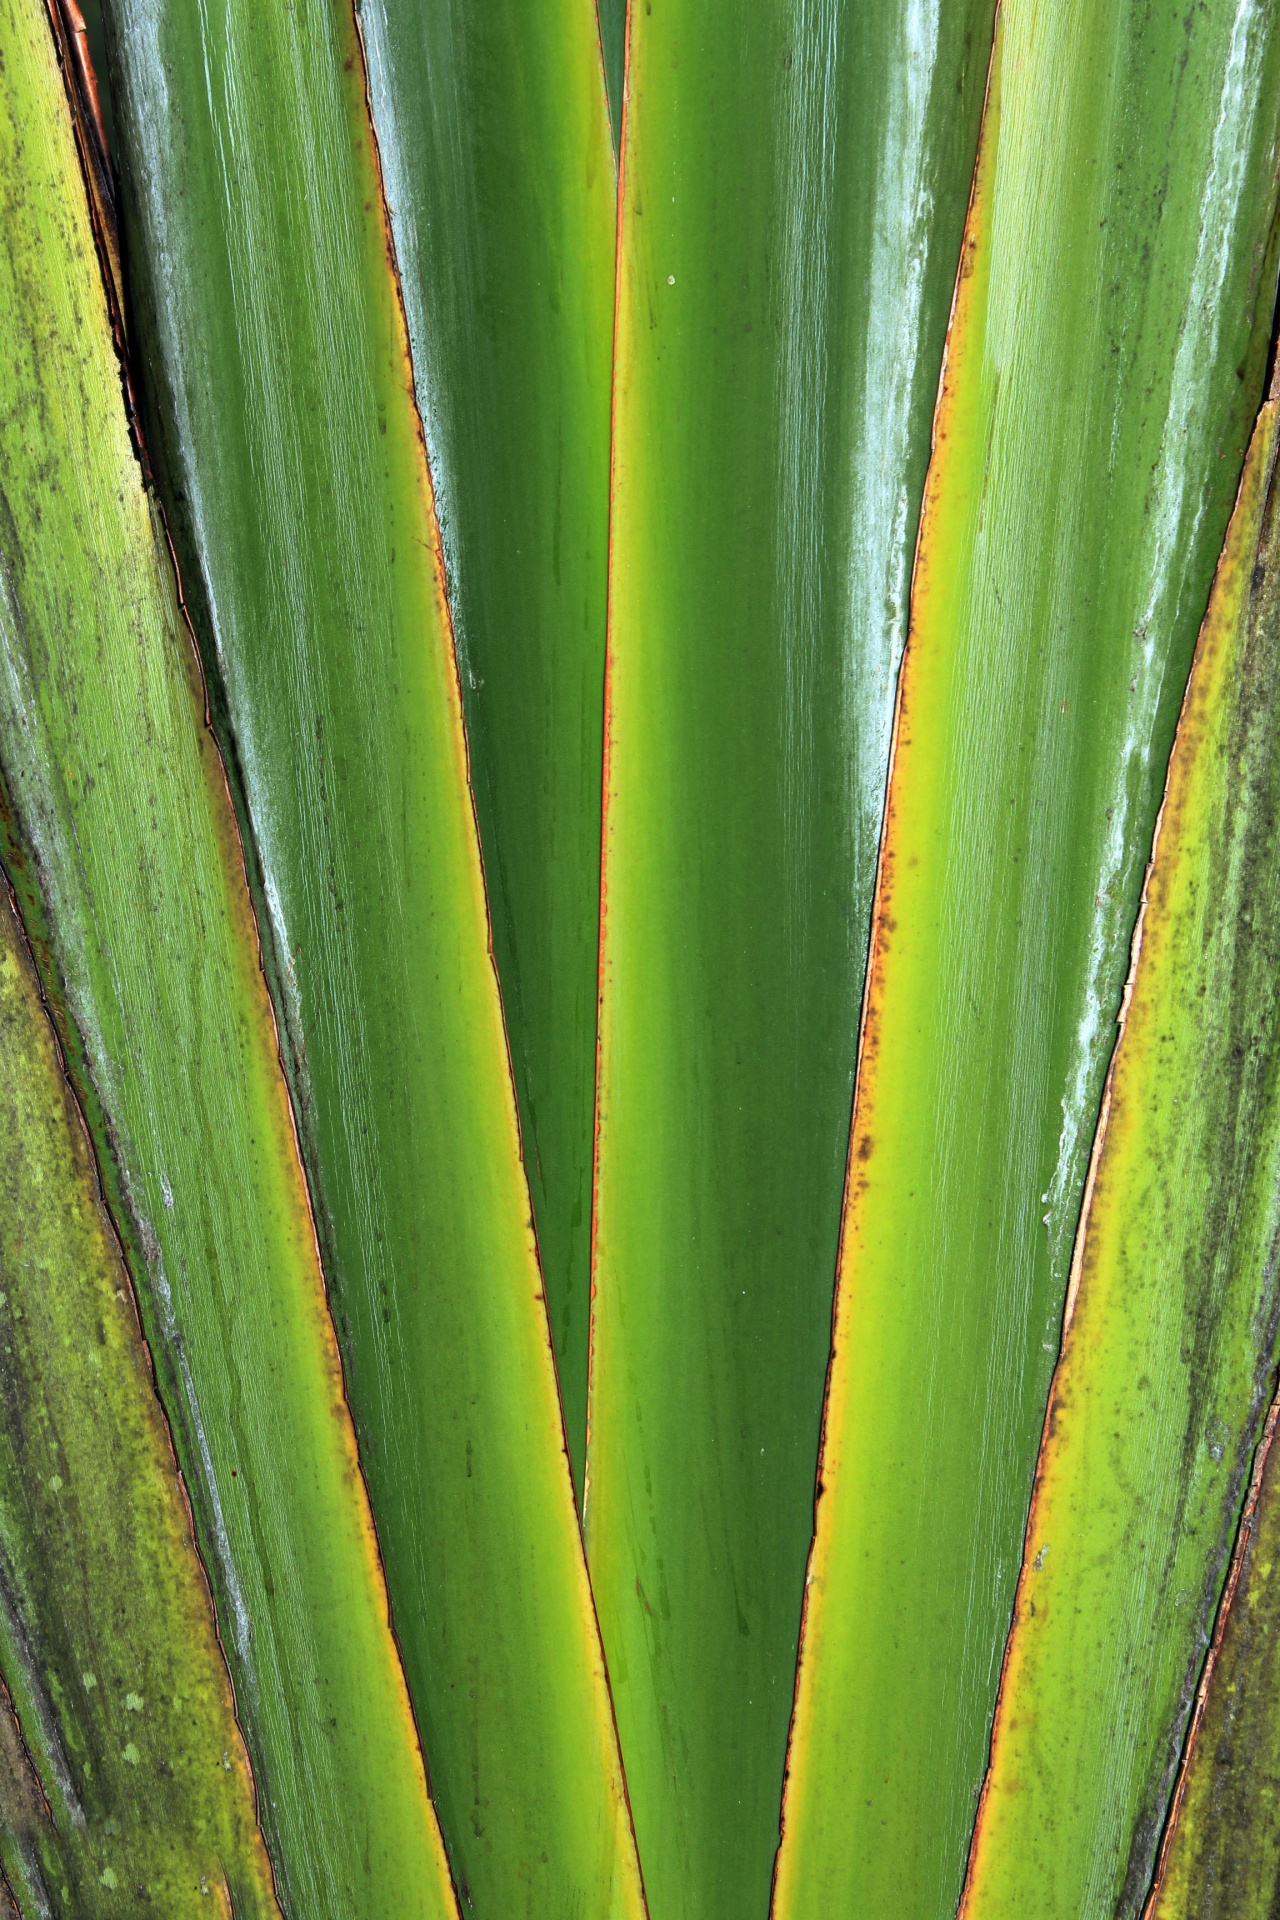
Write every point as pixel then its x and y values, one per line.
pixel 120 840
pixel 122 1769
pixel 1222 1855
pixel 1104 367
pixel 1168 1355
pixel 293 463
pixel 461 889
pixel 493 133
pixel 792 205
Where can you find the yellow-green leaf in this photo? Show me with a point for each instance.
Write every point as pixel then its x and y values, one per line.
pixel 494 142
pixel 1104 367
pixel 280 387
pixel 794 186
pixel 127 1768
pixel 119 837
pixel 1169 1348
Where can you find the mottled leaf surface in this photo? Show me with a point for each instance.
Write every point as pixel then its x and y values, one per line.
pixel 1223 1854
pixel 107 1636
pixel 278 369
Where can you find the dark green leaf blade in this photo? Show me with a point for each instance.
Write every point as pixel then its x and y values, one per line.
pixel 495 152
pixel 107 1634
pixel 611 18
pixel 269 319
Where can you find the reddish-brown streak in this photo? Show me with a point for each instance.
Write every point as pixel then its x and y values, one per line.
pixel 1249 1513
pixel 440 576
pixel 8 1899
pixel 78 40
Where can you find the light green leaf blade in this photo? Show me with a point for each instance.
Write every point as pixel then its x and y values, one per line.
pixel 793 200
pixel 121 843
pixel 1167 1359
pixel 1104 367
pixel 270 325
pixel 494 140
pixel 135 1774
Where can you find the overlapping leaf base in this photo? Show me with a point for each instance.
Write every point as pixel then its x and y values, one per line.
pixel 435 983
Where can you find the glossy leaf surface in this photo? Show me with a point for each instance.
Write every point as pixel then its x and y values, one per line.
pixel 1104 366
pixel 121 842
pixel 1166 1364
pixel 278 360
pixel 793 202
pixel 107 1636
pixel 1222 1858
pixel 495 150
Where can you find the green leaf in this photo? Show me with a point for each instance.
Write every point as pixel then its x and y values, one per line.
pixel 122 846
pixel 270 324
pixel 492 129
pixel 793 204
pixel 1103 371
pixel 1168 1353
pixel 135 1772
pixel 1222 1856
